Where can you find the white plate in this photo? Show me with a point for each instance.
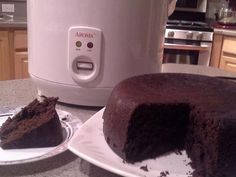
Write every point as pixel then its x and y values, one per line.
pixel 20 156
pixel 89 143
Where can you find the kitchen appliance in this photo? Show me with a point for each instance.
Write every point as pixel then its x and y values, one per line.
pixel 188 43
pixel 191 5
pixel 226 16
pixel 80 49
pixel 188 37
pixel 191 10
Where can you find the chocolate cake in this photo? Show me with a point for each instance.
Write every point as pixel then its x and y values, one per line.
pixel 36 125
pixel 150 115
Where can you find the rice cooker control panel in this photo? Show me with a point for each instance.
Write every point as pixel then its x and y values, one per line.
pixel 84 53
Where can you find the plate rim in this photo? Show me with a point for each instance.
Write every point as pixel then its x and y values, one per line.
pixel 90 159
pixel 114 169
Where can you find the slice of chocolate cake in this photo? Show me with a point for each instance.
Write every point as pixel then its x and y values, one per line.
pixel 36 125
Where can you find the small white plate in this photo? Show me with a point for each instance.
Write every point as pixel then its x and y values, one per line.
pixel 89 143
pixel 20 156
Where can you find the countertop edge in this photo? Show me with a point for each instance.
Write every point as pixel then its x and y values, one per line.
pixel 17 22
pixel 228 32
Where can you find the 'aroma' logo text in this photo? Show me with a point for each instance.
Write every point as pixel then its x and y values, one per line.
pixel 85 35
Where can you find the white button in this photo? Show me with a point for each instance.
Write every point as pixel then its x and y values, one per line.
pixel 81 65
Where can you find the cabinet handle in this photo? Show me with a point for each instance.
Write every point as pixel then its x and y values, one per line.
pixel 186 47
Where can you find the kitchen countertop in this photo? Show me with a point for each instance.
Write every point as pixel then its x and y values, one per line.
pixel 17 93
pixel 16 22
pixel 228 32
pixel 221 29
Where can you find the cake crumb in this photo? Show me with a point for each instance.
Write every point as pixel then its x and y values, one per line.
pixel 190 163
pixel 189 174
pixel 64 118
pixel 164 174
pixel 144 168
pixel 178 152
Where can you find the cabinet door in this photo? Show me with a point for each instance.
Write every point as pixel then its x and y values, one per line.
pixel 5 60
pixel 228 62
pixel 228 54
pixel 20 40
pixel 21 65
pixel 229 45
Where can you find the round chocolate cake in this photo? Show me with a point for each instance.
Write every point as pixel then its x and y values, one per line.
pixel 147 116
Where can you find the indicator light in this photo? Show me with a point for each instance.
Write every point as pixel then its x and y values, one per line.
pixel 78 44
pixel 90 45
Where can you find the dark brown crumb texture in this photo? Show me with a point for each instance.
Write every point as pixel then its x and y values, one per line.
pixel 36 125
pixel 150 115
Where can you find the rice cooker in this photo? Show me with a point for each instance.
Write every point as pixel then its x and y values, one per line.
pixel 80 49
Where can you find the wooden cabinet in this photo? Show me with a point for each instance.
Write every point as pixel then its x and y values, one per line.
pixel 224 52
pixel 6 59
pixel 21 54
pixel 228 63
pixel 21 65
pixel 216 50
pixel 13 54
pixel 228 54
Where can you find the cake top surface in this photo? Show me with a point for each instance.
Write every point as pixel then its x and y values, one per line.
pixel 208 93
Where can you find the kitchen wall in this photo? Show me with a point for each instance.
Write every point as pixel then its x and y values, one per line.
pixel 213 5
pixel 19 7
